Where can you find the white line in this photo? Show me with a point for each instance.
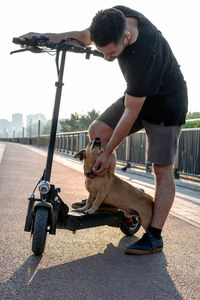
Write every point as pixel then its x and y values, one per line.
pixel 2 148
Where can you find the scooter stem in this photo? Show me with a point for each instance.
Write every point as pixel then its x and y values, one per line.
pixel 54 123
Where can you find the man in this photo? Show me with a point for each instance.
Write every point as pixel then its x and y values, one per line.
pixel 155 99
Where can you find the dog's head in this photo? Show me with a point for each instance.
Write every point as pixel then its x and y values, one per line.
pixel 90 153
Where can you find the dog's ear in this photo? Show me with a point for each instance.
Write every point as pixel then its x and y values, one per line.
pixel 81 154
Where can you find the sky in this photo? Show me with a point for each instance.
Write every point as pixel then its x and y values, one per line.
pixel 27 80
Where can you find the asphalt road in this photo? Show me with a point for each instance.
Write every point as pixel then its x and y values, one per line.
pixel 90 264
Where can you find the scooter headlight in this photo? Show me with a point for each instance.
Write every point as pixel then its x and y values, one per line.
pixel 44 187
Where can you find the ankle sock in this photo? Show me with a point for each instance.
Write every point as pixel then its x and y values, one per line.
pixel 155 231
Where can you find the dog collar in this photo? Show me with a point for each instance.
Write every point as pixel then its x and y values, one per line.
pixel 90 174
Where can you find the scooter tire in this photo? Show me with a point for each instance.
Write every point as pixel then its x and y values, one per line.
pixel 40 231
pixel 130 228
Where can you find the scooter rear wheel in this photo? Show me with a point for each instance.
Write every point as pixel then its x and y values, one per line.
pixel 40 231
pixel 129 228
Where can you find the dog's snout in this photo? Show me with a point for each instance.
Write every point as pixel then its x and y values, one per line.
pixel 97 142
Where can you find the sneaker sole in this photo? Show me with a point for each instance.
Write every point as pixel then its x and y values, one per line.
pixel 142 252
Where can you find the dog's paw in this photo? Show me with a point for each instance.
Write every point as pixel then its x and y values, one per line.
pixel 90 211
pixel 81 209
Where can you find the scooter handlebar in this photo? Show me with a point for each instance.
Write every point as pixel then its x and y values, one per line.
pixel 35 40
pixel 43 41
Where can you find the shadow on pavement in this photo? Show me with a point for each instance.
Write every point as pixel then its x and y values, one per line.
pixel 108 275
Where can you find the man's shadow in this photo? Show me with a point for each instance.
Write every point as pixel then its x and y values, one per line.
pixel 107 275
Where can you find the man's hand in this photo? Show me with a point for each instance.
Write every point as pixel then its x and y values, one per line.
pixel 102 164
pixel 28 35
pixel 83 35
pixel 31 34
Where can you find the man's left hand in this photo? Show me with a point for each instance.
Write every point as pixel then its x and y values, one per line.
pixel 102 164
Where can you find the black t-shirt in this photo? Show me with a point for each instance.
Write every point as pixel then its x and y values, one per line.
pixel 150 69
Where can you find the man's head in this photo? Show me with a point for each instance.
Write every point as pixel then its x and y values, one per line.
pixel 109 32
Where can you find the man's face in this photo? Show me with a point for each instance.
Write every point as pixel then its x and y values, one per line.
pixel 112 51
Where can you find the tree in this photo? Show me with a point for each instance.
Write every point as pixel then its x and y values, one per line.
pixel 46 129
pixel 71 124
pixel 192 115
pixel 78 122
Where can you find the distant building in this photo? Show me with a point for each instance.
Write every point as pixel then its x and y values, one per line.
pixel 34 119
pixel 6 128
pixel 15 128
pixel 32 124
pixel 17 123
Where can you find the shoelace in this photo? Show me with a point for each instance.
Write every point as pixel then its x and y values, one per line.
pixel 146 237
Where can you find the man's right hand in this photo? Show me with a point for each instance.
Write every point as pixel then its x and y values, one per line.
pixel 83 36
pixel 28 36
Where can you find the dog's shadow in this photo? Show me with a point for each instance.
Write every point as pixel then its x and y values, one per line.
pixel 107 275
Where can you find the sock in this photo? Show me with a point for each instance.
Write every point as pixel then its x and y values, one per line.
pixel 155 231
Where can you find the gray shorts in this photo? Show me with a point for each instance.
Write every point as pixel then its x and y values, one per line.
pixel 162 140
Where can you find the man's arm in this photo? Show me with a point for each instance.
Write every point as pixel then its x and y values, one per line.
pixel 133 106
pixel 83 36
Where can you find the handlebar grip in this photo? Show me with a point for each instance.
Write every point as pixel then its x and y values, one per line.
pixel 35 40
pixel 18 41
pixel 97 53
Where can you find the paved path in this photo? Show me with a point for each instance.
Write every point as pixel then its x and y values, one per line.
pixel 90 264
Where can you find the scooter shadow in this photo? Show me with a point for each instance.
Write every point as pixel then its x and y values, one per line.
pixel 108 275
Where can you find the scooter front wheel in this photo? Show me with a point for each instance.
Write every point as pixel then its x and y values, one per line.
pixel 40 231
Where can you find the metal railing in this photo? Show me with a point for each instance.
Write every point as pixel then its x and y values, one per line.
pixel 133 149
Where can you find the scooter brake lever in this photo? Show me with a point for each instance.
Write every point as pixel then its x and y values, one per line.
pixel 34 49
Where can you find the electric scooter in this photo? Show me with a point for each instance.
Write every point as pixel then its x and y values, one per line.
pixel 48 212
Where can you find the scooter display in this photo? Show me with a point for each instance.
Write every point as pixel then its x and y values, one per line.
pixel 49 212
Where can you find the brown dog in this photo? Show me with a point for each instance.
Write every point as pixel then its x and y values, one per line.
pixel 111 189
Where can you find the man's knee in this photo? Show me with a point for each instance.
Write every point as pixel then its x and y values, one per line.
pixel 101 130
pixel 161 171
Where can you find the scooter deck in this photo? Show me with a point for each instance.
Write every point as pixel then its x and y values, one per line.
pixel 77 220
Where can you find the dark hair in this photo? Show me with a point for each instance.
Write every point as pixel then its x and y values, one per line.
pixel 107 26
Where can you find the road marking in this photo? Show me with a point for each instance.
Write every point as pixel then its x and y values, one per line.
pixel 2 148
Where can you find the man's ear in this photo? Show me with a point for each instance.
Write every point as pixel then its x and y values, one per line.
pixel 81 154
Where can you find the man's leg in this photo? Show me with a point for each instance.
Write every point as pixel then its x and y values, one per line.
pixel 164 194
pixel 162 142
pixel 162 147
pixel 100 129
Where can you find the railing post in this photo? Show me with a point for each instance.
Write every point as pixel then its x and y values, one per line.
pixel 85 140
pixel 128 149
pixel 23 134
pixel 81 140
pixel 176 174
pixel 67 143
pixel 38 142
pixel 147 163
pixel 30 140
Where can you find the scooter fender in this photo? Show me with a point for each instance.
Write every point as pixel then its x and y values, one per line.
pixel 46 205
pixel 39 205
